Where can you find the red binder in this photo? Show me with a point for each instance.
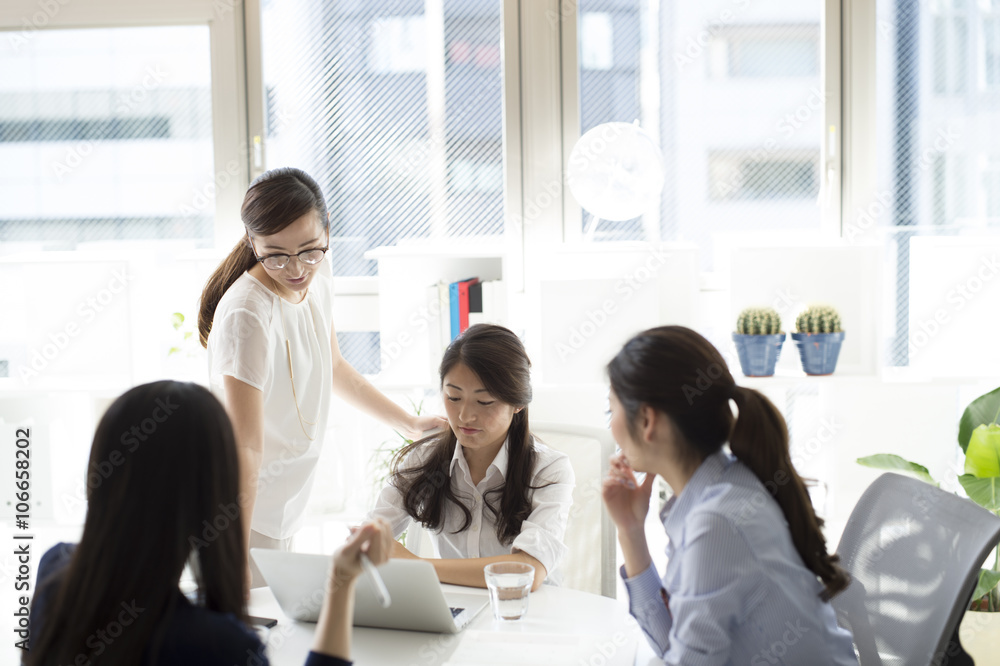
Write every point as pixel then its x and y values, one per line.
pixel 463 303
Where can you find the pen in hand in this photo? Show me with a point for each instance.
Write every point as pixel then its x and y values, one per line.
pixel 381 592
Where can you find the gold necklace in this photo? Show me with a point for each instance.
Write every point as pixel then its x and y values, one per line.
pixel 288 353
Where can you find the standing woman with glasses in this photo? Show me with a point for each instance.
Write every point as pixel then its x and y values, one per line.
pixel 266 320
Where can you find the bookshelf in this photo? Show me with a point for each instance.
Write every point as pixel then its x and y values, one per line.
pixel 406 316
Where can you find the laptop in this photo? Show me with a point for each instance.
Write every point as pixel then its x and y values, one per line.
pixel 298 581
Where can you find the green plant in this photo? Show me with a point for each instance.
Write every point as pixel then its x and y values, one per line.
pixel 818 319
pixel 381 458
pixel 186 334
pixel 979 437
pixel 758 321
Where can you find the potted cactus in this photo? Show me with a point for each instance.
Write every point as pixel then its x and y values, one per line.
pixel 819 337
pixel 758 339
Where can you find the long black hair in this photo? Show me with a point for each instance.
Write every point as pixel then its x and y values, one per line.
pixel 678 372
pixel 163 468
pixel 497 357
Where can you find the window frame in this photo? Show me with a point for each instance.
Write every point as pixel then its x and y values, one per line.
pixel 224 19
pixel 846 114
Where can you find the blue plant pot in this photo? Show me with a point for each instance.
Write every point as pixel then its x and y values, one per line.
pixel 819 351
pixel 758 353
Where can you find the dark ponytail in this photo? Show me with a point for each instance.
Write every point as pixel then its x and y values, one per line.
pixel 760 440
pixel 497 357
pixel 678 372
pixel 238 262
pixel 275 199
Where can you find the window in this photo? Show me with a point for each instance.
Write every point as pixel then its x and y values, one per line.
pixel 774 51
pixel 950 27
pixel 396 113
pixel 106 134
pixel 990 77
pixel 597 41
pixel 398 45
pixel 991 190
pixel 733 95
pixel 763 176
pixel 937 159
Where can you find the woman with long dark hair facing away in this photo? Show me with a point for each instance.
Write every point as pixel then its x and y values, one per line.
pixel 162 487
pixel 748 576
pixel 485 488
pixel 266 320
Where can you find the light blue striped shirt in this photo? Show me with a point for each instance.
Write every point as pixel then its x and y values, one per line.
pixel 735 590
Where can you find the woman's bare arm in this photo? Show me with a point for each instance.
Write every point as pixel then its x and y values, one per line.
pixel 245 406
pixel 469 571
pixel 351 387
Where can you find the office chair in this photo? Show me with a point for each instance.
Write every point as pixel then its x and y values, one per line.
pixel 914 553
pixel 590 533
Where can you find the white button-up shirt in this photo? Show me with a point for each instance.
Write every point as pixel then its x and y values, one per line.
pixel 542 532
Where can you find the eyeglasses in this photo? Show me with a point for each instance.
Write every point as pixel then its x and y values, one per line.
pixel 276 262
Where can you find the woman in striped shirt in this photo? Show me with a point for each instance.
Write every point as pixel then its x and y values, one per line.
pixel 748 578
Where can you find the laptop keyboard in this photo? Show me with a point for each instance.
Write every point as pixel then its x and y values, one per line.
pixel 455 612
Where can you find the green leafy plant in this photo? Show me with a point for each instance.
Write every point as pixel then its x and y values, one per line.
pixel 758 321
pixel 818 319
pixel 979 437
pixel 381 458
pixel 185 335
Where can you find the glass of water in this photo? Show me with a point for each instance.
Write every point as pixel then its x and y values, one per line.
pixel 510 585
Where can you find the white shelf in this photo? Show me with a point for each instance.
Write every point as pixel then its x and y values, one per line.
pixel 406 273
pixel 785 379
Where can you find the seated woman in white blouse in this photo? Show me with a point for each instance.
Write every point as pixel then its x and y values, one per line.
pixel 485 488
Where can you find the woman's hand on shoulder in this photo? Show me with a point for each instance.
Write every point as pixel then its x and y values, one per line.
pixel 626 500
pixel 419 425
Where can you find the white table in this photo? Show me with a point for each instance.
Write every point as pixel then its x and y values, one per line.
pixel 562 627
